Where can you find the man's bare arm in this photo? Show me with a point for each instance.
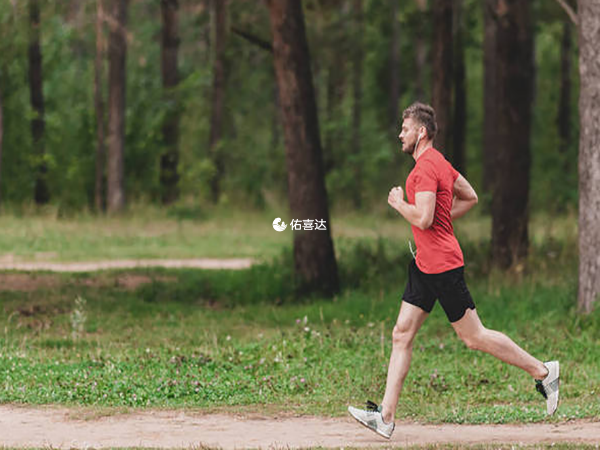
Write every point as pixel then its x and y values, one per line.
pixel 421 213
pixel 465 197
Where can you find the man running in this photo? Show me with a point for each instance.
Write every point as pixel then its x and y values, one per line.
pixel 436 195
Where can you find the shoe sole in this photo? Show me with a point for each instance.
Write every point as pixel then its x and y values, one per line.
pixel 366 425
pixel 557 389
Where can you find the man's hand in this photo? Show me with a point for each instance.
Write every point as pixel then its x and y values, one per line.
pixel 395 197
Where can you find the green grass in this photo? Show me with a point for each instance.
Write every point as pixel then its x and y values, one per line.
pixel 215 339
pixel 177 232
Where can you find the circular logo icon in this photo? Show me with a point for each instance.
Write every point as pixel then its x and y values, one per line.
pixel 279 226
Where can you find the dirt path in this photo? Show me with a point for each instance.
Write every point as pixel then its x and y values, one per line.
pixel 54 427
pixel 86 266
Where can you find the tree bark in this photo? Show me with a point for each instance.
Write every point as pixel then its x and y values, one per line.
pixel 117 55
pixel 41 191
pixel 394 71
pixel 218 97
pixel 459 128
pixel 357 64
pixel 589 154
pixel 514 97
pixel 314 257
pixel 169 160
pixel 99 107
pixel 490 107
pixel 441 97
pixel 564 105
pixel 420 51
pixel 1 138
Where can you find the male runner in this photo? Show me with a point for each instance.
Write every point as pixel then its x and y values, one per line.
pixel 437 194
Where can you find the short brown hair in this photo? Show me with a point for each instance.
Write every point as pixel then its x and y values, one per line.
pixel 425 115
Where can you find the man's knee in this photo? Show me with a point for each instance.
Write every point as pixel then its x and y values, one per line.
pixel 402 336
pixel 475 340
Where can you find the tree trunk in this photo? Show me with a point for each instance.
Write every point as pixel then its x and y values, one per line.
pixel 41 192
pixel 564 105
pixel 218 97
pixel 169 176
pixel 314 257
pixel 394 71
pixel 420 51
pixel 589 154
pixel 490 107
pixel 1 139
pixel 441 97
pixel 459 128
pixel 99 106
pixel 117 53
pixel 514 96
pixel 357 105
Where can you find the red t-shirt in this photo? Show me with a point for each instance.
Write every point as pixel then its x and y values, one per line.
pixel 437 248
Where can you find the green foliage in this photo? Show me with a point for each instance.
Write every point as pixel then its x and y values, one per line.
pixel 252 146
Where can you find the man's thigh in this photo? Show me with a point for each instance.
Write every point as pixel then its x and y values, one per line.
pixel 410 318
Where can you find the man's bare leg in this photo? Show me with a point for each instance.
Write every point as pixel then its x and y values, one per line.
pixel 472 332
pixel 409 321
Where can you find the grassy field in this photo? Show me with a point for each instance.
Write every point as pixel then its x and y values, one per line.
pixel 214 339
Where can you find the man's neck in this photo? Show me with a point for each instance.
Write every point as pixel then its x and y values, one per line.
pixel 422 148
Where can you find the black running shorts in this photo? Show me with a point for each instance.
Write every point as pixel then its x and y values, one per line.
pixel 422 290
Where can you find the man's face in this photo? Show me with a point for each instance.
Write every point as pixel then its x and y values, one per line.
pixel 409 135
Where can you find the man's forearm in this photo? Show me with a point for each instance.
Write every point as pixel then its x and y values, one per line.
pixel 410 213
pixel 461 207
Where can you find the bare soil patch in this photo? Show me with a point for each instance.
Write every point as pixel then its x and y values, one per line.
pixel 57 427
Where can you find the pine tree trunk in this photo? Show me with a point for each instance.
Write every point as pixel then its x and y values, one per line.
pixel 394 72
pixel 41 191
pixel 218 97
pixel 314 257
pixel 169 160
pixel 420 51
pixel 589 155
pixel 514 97
pixel 99 107
pixel 117 55
pixel 459 128
pixel 441 97
pixel 564 105
pixel 1 139
pixel 357 64
pixel 490 107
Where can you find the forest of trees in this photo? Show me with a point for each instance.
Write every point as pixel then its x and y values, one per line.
pixel 108 102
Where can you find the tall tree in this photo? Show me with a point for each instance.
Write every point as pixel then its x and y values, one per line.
pixel 589 154
pixel 441 97
pixel 218 96
pixel 41 192
pixel 459 116
pixel 514 96
pixel 169 160
pixel 394 70
pixel 420 51
pixel 117 56
pixel 1 137
pixel 490 108
pixel 357 68
pixel 99 107
pixel 314 257
pixel 564 105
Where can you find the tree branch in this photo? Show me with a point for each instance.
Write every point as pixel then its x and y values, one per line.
pixel 253 39
pixel 572 14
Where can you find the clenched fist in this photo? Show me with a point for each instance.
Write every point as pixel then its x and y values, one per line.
pixel 395 196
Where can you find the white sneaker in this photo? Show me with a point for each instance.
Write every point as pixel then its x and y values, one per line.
pixel 548 387
pixel 372 419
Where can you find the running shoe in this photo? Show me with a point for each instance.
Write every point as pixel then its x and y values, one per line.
pixel 371 418
pixel 548 387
